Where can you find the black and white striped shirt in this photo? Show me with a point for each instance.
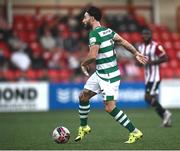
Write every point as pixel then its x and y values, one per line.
pixel 152 72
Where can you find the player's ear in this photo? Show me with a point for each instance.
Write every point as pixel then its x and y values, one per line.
pixel 92 18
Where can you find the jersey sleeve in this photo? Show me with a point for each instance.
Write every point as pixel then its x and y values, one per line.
pixel 94 39
pixel 159 51
pixel 114 33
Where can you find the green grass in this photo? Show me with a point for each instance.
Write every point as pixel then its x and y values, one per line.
pixel 32 131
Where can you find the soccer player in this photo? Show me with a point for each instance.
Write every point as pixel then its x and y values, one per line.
pixel 156 55
pixel 106 78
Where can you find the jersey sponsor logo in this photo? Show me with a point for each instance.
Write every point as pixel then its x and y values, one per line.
pixel 106 32
pixel 92 40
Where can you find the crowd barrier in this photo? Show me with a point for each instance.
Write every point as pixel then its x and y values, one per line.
pixel 23 96
pixel 64 96
pixel 170 93
pixel 43 96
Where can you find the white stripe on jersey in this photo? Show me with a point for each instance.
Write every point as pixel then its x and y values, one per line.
pixel 152 92
pixel 106 65
pixel 114 74
pixel 110 75
pixel 105 55
pixel 106 43
pixel 152 73
pixel 105 32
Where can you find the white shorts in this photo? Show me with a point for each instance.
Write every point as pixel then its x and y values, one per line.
pixel 108 90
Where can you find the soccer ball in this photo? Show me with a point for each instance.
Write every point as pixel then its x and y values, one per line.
pixel 61 135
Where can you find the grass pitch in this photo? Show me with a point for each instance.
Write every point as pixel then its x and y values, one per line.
pixel 32 131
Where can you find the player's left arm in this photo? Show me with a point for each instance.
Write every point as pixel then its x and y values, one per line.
pixel 91 57
pixel 162 56
pixel 139 56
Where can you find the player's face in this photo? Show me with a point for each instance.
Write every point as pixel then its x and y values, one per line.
pixel 147 36
pixel 86 20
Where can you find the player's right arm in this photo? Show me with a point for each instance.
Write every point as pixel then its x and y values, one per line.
pixel 139 57
pixel 94 45
pixel 162 56
pixel 90 58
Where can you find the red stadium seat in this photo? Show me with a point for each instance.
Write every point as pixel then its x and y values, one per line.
pixel 126 36
pixel 31 25
pixel 177 73
pixel 36 47
pixel 10 75
pixel 168 45
pixel 167 73
pixel 5 49
pixel 54 76
pixel 153 27
pixel 141 75
pixel 141 20
pixel 157 37
pixel 43 73
pixel 171 54
pixel 166 36
pixel 136 37
pixel 162 28
pixel 19 25
pixel 31 75
pixel 23 35
pixel 173 63
pixel 175 36
pixel 32 36
pixel 177 45
pixel 18 18
pixel 164 65
pixel 178 54
pixel 64 75
pixel 17 73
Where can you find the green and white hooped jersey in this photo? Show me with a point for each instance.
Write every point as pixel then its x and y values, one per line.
pixel 106 63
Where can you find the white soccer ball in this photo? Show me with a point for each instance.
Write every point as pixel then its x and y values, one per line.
pixel 61 135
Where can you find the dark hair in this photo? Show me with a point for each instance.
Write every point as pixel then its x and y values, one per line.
pixel 146 30
pixel 95 12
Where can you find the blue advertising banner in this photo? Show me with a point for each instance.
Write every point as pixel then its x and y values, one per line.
pixel 131 95
pixel 65 96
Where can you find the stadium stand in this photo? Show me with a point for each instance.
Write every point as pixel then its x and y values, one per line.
pixel 53 42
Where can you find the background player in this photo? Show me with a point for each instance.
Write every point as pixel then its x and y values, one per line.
pixel 156 55
pixel 106 78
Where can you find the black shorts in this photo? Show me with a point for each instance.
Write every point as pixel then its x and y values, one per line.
pixel 152 88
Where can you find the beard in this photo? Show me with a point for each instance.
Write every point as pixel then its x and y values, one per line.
pixel 147 40
pixel 87 26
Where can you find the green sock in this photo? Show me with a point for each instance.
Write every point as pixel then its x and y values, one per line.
pixel 84 109
pixel 122 119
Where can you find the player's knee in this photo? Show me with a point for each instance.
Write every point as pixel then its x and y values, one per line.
pixel 109 107
pixel 83 97
pixel 153 100
pixel 150 99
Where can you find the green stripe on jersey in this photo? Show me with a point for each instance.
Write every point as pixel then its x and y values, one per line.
pixel 106 60
pixel 111 80
pixel 107 37
pixel 117 78
pixel 108 70
pixel 106 49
